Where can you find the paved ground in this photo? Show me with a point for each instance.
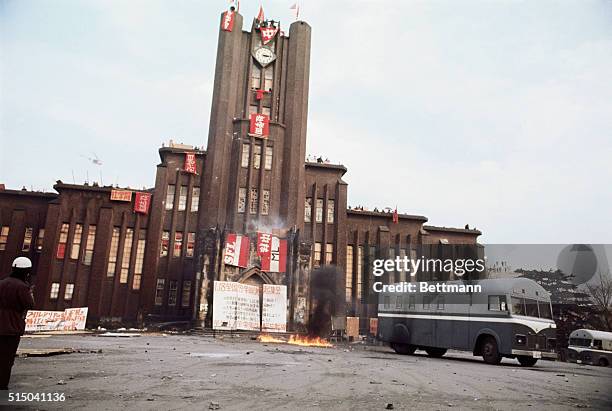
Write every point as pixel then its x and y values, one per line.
pixel 181 371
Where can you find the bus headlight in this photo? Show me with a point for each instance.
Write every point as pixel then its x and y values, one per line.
pixel 520 339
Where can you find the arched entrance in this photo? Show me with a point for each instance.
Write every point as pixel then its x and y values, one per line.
pixel 254 276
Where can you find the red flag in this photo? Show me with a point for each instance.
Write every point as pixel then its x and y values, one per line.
pixel 268 33
pixel 395 216
pixel 142 203
pixel 264 241
pixel 296 7
pixel 260 124
pixel 236 250
pixel 273 253
pixel 190 165
pixel 260 16
pixel 227 22
pixel 260 94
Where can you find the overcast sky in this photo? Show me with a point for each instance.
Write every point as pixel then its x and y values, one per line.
pixel 492 113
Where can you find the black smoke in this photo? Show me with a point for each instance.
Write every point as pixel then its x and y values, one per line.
pixel 323 292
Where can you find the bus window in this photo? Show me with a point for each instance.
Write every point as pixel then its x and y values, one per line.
pixel 426 302
pixel 497 303
pixel 545 310
pixel 440 302
pixel 580 342
pixel 411 302
pixel 398 302
pixel 517 306
pixel 597 344
pixel 531 307
pixel 387 301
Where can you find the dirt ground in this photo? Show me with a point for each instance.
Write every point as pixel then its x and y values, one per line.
pixel 172 372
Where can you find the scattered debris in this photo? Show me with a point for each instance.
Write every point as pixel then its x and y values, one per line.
pixel 61 382
pixel 389 406
pixel 125 335
pixel 42 352
pixel 214 405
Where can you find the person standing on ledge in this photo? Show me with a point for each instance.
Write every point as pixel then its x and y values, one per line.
pixel 15 300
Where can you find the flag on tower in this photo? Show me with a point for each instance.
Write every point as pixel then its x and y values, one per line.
pixel 260 16
pixel 296 7
pixel 395 216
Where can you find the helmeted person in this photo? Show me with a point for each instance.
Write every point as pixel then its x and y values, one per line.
pixel 15 300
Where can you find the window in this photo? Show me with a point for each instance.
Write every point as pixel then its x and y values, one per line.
pixel 317 254
pixel 253 109
pixel 112 253
pixel 266 111
pixel 159 291
pixel 580 342
pixel 68 292
pixel 40 240
pixel 27 240
pixel 518 308
pixel 402 272
pixel 387 301
pixel 268 162
pixel 89 245
pixel 265 202
pixel 63 239
pixel 165 244
pixel 440 302
pixel 172 293
pixel 329 253
pixel 127 253
pixel 398 301
pixel 195 199
pixel 268 78
pixel 308 210
pixel 255 77
pixel 319 211
pixel 349 273
pixel 531 307
pixel 140 250
pixel 76 242
pixel 253 203
pixel 54 291
pixel 190 244
pixel 392 272
pixel 246 152
pixel 426 301
pixel 4 232
pixel 257 156
pixel 186 294
pixel 545 311
pixel 242 199
pixel 411 302
pixel 497 303
pixel 178 244
pixel 359 272
pixel 182 205
pixel 330 211
pixel 170 197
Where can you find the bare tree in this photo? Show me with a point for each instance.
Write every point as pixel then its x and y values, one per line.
pixel 601 294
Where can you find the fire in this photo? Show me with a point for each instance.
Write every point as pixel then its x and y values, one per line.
pixel 294 339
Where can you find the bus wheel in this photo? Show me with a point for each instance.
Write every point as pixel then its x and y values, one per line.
pixel 435 352
pixel 603 362
pixel 404 349
pixel 490 354
pixel 526 361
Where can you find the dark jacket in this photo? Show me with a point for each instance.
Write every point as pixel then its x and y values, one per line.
pixel 15 301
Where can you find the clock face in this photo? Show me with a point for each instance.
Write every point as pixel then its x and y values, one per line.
pixel 264 56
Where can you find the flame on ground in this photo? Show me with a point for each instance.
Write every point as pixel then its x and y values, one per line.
pixel 294 339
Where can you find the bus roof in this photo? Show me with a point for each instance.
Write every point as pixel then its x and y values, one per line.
pixel 591 334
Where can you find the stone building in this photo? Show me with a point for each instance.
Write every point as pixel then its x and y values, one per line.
pixel 92 247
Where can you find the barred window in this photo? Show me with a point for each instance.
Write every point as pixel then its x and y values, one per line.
pixel 349 273
pixel 360 257
pixel 265 206
pixel 319 211
pixel 402 272
pixel 254 201
pixel 40 239
pixel 140 251
pixel 4 233
pixel 257 156
pixel 63 239
pixel 308 210
pixel 329 253
pixel 127 253
pixel 178 244
pixel 269 154
pixel 195 199
pixel 68 292
pixel 165 244
pixel 172 293
pixel 76 242
pixel 170 197
pixel 268 78
pixel 27 239
pixel 89 245
pixel 190 244
pixel 242 199
pixel 112 253
pixel 255 77
pixel 185 298
pixel 182 205
pixel 330 211
pixel 246 152
pixel 317 254
pixel 54 291
pixel 159 291
pixel 266 111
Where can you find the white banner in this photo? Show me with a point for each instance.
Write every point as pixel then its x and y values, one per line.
pixel 274 315
pixel 235 306
pixel 70 319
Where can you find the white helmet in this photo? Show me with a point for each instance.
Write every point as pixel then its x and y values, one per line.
pixel 22 262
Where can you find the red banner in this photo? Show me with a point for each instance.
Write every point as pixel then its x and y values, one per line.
pixel 121 195
pixel 273 253
pixel 190 165
pixel 227 22
pixel 61 250
pixel 236 250
pixel 142 203
pixel 260 125
pixel 267 34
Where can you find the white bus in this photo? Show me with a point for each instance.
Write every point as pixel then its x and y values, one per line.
pixel 590 347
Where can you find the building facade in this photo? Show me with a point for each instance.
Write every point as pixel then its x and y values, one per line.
pixel 97 247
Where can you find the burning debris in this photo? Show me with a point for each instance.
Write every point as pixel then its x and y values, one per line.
pixel 301 340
